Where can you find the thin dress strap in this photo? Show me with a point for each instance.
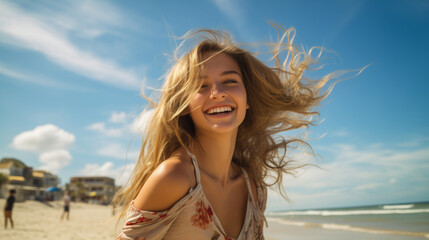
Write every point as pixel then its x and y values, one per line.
pixel 249 189
pixel 260 214
pixel 197 169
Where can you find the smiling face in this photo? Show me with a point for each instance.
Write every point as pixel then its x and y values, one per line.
pixel 220 105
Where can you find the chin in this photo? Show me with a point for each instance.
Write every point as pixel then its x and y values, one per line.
pixel 221 129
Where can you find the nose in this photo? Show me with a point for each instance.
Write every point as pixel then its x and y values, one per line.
pixel 217 92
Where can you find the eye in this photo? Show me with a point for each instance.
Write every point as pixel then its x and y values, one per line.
pixel 204 87
pixel 230 81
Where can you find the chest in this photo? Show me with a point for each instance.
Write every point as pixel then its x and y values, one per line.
pixel 229 205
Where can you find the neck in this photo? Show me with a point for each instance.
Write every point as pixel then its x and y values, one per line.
pixel 214 154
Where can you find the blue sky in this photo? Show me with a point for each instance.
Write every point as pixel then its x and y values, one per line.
pixel 71 74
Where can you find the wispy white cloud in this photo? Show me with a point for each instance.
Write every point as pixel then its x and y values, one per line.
pixel 233 9
pixel 120 117
pixel 414 142
pixel 368 186
pixel 354 8
pixel 21 28
pixel 115 150
pixel 136 126
pixel 341 133
pixel 126 125
pixel 34 79
pixel 101 128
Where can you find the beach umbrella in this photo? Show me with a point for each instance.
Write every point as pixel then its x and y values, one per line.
pixel 52 189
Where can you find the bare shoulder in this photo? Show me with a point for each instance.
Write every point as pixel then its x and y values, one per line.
pixel 170 181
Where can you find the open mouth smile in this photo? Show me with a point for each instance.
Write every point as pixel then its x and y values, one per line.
pixel 219 110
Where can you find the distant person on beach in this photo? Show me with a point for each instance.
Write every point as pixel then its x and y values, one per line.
pixel 8 208
pixel 66 200
pixel 213 139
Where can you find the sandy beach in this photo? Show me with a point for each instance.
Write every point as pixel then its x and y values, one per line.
pixel 35 220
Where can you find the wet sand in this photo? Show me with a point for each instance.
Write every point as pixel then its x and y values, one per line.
pixel 279 231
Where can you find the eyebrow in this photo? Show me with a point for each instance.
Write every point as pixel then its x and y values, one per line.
pixel 225 73
pixel 230 72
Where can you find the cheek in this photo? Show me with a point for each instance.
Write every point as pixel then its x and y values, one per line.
pixel 195 103
pixel 241 95
pixel 195 108
pixel 241 100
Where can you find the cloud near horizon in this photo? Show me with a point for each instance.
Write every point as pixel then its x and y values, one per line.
pixel 42 139
pixel 115 150
pixel 101 128
pixel 50 142
pixel 126 125
pixel 140 122
pixel 54 160
pixel 358 176
pixel 108 169
pixel 123 126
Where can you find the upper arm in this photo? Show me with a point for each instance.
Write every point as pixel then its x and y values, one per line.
pixel 169 182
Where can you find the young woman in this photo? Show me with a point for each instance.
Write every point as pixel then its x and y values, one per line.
pixel 212 140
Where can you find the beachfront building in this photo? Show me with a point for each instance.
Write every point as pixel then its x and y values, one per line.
pixel 96 189
pixel 45 179
pixel 29 184
pixel 10 169
pixel 13 171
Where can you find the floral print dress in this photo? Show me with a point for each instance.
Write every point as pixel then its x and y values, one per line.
pixel 192 217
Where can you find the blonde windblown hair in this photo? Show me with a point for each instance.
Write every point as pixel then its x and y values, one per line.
pixel 280 98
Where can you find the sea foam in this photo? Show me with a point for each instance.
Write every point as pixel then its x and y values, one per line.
pixel 403 206
pixel 349 212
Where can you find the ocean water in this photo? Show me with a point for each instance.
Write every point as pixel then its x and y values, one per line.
pixel 406 220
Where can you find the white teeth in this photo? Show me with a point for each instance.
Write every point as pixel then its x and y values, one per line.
pixel 219 110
